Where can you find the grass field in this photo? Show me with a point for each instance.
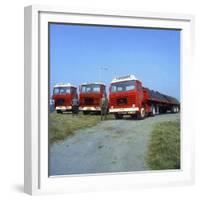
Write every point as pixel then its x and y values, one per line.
pixel 164 146
pixel 63 125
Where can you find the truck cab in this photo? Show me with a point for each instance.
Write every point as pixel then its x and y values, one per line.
pixel 90 97
pixel 63 95
pixel 126 97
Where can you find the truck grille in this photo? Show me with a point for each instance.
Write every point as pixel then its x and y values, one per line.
pixel 128 100
pixel 60 102
pixel 121 101
pixel 89 101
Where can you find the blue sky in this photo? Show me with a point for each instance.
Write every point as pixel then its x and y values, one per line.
pixel 78 52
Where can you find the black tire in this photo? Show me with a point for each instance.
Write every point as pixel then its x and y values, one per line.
pixel 59 111
pixel 153 111
pixel 85 112
pixel 118 116
pixel 157 110
pixel 134 116
pixel 173 109
pixel 141 114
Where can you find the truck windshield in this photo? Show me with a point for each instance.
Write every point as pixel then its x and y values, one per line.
pixel 123 86
pixel 90 88
pixel 61 90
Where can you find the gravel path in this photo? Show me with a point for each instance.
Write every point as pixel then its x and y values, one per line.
pixel 111 146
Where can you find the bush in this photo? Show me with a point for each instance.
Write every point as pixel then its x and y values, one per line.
pixel 164 146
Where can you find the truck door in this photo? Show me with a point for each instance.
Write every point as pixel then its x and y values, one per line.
pixel 140 92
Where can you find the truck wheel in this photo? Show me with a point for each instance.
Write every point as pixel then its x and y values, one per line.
pixel 157 110
pixel 85 112
pixel 173 109
pixel 118 116
pixel 141 114
pixel 153 111
pixel 59 111
pixel 134 116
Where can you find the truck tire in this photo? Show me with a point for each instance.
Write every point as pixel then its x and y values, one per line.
pixel 134 116
pixel 173 109
pixel 59 111
pixel 153 111
pixel 157 110
pixel 118 116
pixel 141 114
pixel 85 112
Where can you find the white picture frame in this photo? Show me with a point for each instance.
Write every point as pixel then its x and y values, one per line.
pixel 36 178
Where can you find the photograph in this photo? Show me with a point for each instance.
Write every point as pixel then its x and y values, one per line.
pixel 114 99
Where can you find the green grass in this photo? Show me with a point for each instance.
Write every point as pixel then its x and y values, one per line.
pixel 164 146
pixel 63 125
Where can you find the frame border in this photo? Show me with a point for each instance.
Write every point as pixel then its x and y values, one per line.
pixel 32 79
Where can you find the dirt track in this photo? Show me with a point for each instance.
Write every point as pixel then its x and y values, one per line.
pixel 111 146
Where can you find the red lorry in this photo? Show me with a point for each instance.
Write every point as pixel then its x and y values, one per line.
pixel 63 95
pixel 128 97
pixel 90 97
